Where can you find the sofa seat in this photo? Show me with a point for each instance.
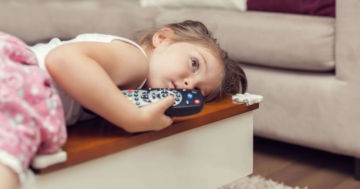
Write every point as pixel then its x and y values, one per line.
pixel 298 106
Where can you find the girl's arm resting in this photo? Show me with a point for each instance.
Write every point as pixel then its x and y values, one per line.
pixel 92 83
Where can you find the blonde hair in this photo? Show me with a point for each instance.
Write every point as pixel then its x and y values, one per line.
pixel 233 79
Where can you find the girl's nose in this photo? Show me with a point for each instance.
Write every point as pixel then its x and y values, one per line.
pixel 188 84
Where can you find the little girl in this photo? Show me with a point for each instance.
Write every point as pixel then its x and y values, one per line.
pixel 45 87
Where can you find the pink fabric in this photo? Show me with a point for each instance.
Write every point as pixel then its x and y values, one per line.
pixel 31 115
pixel 307 7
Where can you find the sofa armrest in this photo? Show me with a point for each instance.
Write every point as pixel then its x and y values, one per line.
pixel 347 40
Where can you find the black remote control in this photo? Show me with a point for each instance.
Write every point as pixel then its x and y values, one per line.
pixel 187 102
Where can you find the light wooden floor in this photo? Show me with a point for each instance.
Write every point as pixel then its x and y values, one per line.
pixel 299 166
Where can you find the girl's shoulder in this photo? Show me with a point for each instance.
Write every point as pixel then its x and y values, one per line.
pixel 96 37
pixel 93 37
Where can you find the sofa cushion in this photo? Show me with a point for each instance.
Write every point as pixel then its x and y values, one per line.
pixel 216 4
pixel 38 21
pixel 269 39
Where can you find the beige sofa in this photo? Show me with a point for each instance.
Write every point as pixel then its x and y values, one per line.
pixel 305 67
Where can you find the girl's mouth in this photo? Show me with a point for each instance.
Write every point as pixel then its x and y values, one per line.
pixel 174 85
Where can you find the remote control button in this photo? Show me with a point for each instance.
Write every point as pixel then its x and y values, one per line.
pixel 136 94
pixel 129 95
pixel 189 96
pixel 136 98
pixel 197 101
pixel 136 91
pixel 130 99
pixel 177 99
pixel 129 91
pixel 194 91
pixel 137 103
pixel 187 102
pixel 178 95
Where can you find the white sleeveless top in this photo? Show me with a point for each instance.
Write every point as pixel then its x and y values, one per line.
pixel 72 109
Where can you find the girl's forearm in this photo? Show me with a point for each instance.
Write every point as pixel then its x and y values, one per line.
pixel 84 80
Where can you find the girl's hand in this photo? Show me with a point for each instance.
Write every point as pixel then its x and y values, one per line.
pixel 152 115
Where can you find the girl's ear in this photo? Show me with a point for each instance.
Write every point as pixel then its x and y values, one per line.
pixel 162 36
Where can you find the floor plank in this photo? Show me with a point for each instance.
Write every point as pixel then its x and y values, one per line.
pixel 348 184
pixel 304 167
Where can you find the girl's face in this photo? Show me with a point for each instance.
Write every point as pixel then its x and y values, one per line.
pixel 183 65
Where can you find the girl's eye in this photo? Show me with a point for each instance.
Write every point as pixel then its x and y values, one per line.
pixel 195 65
